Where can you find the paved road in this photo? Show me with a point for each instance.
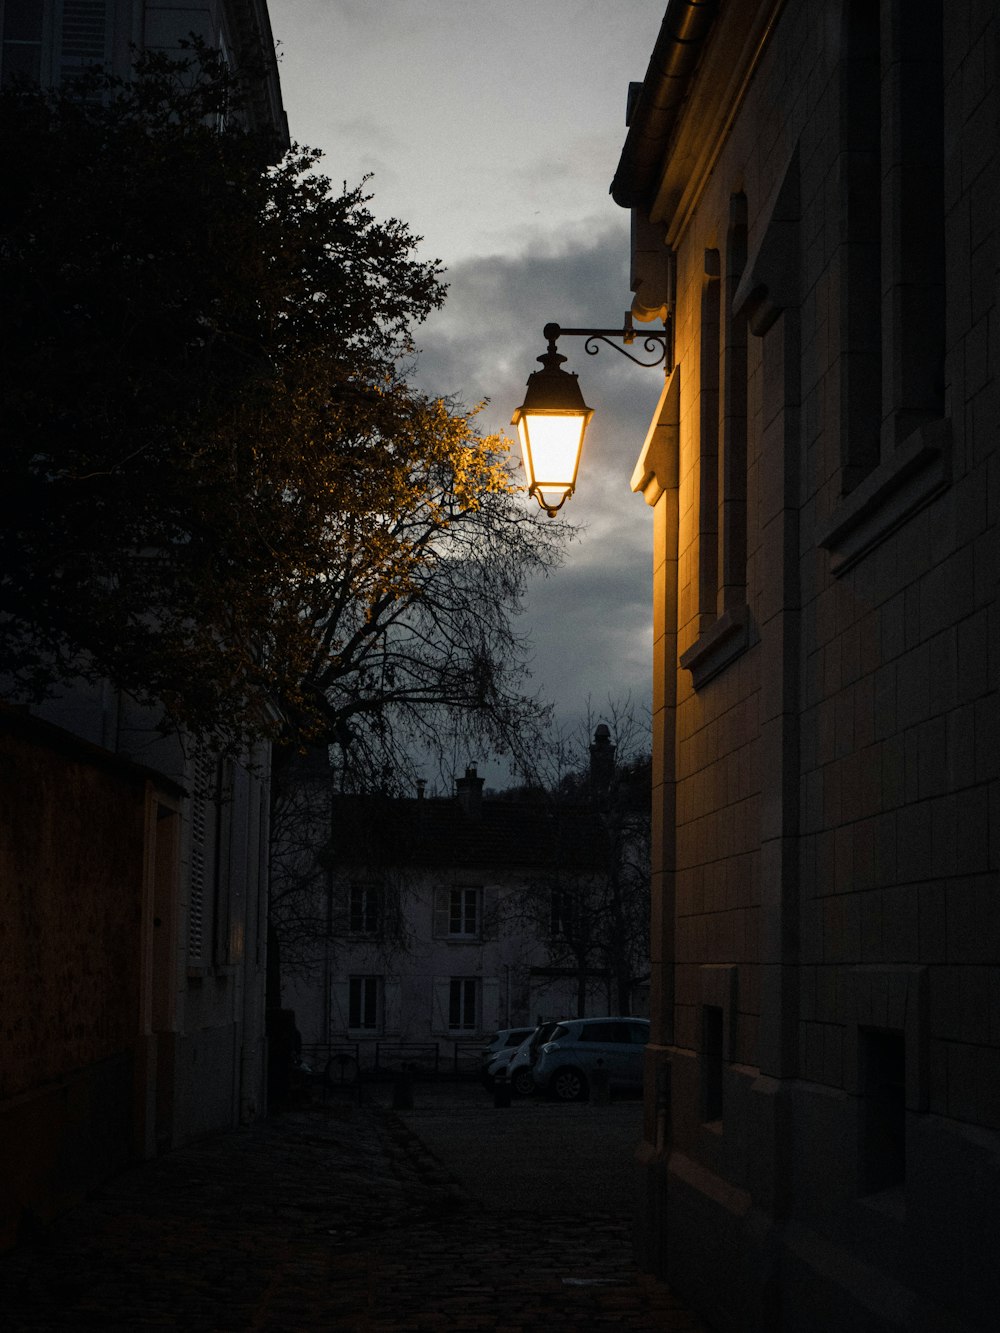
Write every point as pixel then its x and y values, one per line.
pixel 533 1155
pixel 332 1218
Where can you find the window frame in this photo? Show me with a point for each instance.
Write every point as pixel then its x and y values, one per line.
pixel 463 996
pixel 364 1002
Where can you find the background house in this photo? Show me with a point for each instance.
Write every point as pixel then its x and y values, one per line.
pixel 133 864
pixel 815 194
pixel 439 920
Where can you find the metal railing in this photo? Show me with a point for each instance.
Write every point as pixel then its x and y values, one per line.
pixel 372 1059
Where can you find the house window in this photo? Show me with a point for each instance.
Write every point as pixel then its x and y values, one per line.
pixel 84 36
pixel 22 41
pixel 891 271
pixel 708 452
pixel 462 1008
pixel 46 41
pixel 711 1063
pixel 205 858
pixel 363 913
pixel 883 1109
pixel 362 1014
pixel 563 914
pixel 732 438
pixel 463 912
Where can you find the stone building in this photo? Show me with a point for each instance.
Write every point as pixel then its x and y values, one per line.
pixel 133 864
pixel 442 919
pixel 48 41
pixel 815 192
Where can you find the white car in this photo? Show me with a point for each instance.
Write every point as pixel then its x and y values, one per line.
pixel 577 1047
pixel 499 1050
pixel 519 1070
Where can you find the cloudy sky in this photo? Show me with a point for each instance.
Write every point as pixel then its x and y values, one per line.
pixel 493 128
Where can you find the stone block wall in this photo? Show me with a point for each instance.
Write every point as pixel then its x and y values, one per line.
pixel 827 914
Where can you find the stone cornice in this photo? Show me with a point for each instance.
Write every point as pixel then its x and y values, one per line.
pixel 714 96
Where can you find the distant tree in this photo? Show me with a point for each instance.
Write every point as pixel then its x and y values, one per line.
pixel 593 911
pixel 338 870
pixel 219 489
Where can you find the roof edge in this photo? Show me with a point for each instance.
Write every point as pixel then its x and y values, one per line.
pixel 683 30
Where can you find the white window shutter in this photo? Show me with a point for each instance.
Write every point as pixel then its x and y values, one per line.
pixel 442 994
pixel 490 924
pixel 489 1018
pixel 391 1004
pixel 340 997
pixel 442 916
pixel 84 36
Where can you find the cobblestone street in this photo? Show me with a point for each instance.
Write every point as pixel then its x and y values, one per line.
pixel 332 1217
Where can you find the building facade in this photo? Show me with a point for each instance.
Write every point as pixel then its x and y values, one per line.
pixel 134 898
pixel 440 920
pixel 49 41
pixel 815 188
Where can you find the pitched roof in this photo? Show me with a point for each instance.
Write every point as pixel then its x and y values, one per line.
pixel 440 833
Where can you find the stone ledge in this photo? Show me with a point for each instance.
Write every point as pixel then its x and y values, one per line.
pixel 917 472
pixel 718 646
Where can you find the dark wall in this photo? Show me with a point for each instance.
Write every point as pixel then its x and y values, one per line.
pixel 71 880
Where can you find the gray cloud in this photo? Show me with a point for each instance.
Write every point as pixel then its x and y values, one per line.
pixel 591 620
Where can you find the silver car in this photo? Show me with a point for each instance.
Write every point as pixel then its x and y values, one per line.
pixel 498 1053
pixel 520 1070
pixel 578 1048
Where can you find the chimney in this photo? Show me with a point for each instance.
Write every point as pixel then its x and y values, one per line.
pixel 421 785
pixel 470 793
pixel 602 759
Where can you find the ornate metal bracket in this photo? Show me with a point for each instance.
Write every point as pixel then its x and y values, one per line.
pixel 660 341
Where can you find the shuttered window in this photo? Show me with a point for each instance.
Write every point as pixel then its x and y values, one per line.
pixel 84 31
pixel 50 41
pixel 23 31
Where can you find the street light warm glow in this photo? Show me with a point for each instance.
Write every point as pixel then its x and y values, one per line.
pixel 551 443
pixel 551 423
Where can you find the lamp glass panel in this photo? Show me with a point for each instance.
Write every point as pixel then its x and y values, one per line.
pixel 551 444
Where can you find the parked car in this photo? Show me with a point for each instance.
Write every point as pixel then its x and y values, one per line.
pixel 575 1049
pixel 519 1070
pixel 502 1044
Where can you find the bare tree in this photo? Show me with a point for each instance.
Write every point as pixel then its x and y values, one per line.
pixel 591 903
pixel 335 872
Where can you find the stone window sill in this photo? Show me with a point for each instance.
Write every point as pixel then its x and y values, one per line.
pixel 718 646
pixel 918 470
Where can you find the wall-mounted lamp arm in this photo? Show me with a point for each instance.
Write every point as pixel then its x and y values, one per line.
pixel 660 341
pixel 553 418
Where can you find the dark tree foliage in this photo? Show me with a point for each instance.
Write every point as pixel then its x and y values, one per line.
pixel 219 489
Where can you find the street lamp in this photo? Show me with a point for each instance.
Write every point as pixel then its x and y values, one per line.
pixel 553 418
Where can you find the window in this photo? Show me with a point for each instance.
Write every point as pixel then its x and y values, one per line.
pixel 563 913
pixel 711 1063
pixel 721 615
pixel 732 439
pixel 363 911
pixel 457 913
pixel 84 36
pixel 708 450
pixel 892 298
pixel 22 41
pixel 861 251
pixel 462 1008
pixel 598 1032
pixel 883 1109
pixel 204 866
pixel 362 1011
pixel 895 436
pixel 463 916
pixel 48 41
